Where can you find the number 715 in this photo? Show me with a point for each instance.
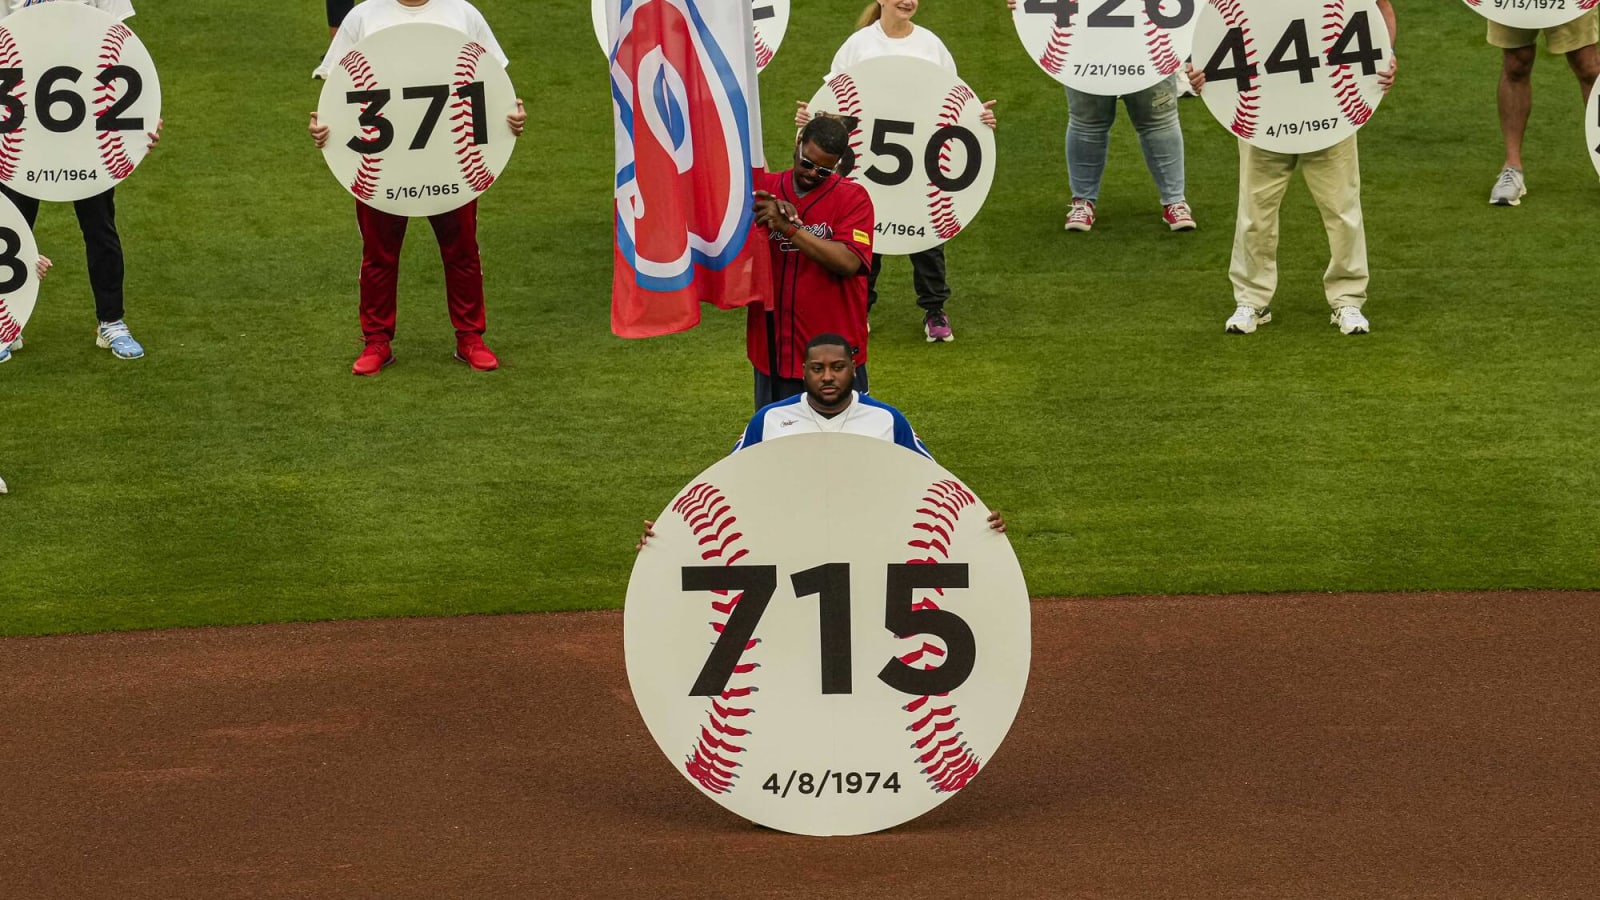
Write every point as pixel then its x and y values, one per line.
pixel 831 584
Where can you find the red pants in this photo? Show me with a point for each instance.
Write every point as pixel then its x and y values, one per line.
pixel 382 235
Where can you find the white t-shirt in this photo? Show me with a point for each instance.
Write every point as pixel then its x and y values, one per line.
pixel 871 42
pixel 375 15
pixel 122 9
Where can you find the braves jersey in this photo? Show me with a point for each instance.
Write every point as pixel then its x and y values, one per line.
pixel 864 416
pixel 807 299
pixel 376 15
pixel 122 9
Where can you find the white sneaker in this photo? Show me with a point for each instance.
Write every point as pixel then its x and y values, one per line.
pixel 1350 320
pixel 1245 319
pixel 5 352
pixel 2 485
pixel 1509 188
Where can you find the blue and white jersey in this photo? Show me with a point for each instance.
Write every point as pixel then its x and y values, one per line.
pixel 864 416
pixel 122 9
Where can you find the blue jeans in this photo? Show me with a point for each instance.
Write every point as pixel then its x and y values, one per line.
pixel 1154 112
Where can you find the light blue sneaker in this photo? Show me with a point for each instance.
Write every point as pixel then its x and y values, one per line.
pixel 115 336
pixel 5 349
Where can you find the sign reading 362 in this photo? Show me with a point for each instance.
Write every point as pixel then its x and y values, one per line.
pixel 78 96
pixel 825 636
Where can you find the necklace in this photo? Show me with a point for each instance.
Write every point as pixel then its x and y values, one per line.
pixel 835 424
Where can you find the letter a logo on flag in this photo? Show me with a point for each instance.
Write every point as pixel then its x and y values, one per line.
pixel 688 123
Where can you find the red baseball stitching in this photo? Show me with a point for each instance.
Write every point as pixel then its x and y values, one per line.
pixel 1351 103
pixel 112 152
pixel 473 168
pixel 937 746
pixel 9 327
pixel 942 206
pixel 844 90
pixel 1248 105
pixel 365 185
pixel 712 761
pixel 1159 44
pixel 1587 5
pixel 11 144
pixel 1054 57
pixel 763 52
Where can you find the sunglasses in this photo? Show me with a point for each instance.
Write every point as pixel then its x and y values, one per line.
pixel 810 166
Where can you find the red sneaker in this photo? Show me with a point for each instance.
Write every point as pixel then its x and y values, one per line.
pixel 1178 215
pixel 372 360
pixel 472 352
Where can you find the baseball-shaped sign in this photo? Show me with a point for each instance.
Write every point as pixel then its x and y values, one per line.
pixel 1107 47
pixel 921 151
pixel 825 637
pixel 78 98
pixel 1592 129
pixel 1292 76
pixel 771 22
pixel 1531 13
pixel 19 279
pixel 417 115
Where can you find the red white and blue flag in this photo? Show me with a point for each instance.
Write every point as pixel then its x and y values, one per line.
pixel 688 122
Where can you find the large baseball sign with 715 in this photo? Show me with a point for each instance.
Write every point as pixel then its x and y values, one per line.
pixel 825 637
pixel 78 98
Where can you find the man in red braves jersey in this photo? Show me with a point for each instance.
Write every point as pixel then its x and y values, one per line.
pixel 820 237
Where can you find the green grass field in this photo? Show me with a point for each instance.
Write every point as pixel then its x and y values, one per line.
pixel 240 474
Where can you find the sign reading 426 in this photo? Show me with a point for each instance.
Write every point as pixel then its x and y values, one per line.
pixel 1107 47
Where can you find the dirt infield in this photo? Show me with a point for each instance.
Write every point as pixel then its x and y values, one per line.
pixel 1437 745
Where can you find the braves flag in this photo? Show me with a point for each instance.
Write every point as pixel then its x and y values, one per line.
pixel 688 123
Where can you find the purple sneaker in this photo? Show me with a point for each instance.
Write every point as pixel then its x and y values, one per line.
pixel 936 325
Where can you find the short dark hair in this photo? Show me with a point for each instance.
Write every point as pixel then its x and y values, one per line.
pixel 829 134
pixel 830 340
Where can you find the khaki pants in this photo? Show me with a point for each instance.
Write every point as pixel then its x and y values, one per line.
pixel 1575 35
pixel 1334 177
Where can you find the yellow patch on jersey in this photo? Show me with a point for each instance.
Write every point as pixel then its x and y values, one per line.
pixel 862 238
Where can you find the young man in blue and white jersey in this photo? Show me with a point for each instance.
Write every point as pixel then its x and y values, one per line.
pixel 830 404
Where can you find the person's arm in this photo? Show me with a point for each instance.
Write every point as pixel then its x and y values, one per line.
pixel 780 215
pixel 1386 80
